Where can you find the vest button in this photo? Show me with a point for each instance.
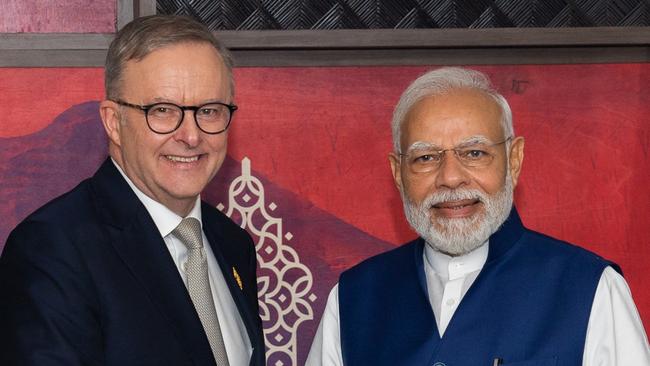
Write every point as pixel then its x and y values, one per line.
pixel 439 364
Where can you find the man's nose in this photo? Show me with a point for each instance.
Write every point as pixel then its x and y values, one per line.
pixel 451 173
pixel 188 132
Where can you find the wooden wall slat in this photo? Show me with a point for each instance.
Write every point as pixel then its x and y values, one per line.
pixel 434 38
pixel 364 47
pixel 442 56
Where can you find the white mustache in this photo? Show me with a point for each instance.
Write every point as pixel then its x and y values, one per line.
pixel 454 195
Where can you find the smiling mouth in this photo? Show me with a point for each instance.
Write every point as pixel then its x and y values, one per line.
pixel 182 159
pixel 456 205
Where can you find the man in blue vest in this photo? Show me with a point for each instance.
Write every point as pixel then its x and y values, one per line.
pixel 477 288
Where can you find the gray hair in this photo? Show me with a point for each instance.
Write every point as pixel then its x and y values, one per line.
pixel 147 34
pixel 441 81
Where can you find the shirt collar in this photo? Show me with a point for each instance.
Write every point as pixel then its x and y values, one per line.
pixel 165 219
pixel 450 268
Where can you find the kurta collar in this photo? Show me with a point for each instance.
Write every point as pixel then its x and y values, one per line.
pixel 451 268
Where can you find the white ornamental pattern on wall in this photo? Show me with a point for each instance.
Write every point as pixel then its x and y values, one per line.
pixel 283 283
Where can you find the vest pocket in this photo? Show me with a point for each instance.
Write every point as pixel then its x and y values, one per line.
pixel 545 362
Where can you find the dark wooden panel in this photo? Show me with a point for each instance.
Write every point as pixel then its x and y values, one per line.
pixel 364 47
pixel 145 7
pixel 435 38
pixel 55 41
pixel 442 56
pixel 125 12
pixel 52 58
pixel 251 58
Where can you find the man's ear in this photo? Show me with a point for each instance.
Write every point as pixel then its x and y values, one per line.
pixel 109 111
pixel 516 158
pixel 395 166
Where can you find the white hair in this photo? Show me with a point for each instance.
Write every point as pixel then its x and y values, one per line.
pixel 441 81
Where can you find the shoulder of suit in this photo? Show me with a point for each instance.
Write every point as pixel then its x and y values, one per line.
pixel 73 206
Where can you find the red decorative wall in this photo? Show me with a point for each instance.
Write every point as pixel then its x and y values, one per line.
pixel 318 139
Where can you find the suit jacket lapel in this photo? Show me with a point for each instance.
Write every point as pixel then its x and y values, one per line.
pixel 139 244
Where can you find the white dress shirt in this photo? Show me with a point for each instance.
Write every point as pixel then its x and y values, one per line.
pixel 235 336
pixel 615 334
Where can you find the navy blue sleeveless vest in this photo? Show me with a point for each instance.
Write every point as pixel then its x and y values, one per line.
pixel 529 306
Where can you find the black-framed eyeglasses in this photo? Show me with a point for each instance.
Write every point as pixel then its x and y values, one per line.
pixel 163 118
pixel 425 158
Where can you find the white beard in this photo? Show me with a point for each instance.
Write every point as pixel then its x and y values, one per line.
pixel 458 236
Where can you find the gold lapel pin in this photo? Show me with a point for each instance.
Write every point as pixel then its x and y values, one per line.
pixel 237 278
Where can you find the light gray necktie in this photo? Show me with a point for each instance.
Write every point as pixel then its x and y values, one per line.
pixel 198 285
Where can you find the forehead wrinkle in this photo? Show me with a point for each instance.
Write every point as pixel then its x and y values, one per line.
pixel 162 100
pixel 157 100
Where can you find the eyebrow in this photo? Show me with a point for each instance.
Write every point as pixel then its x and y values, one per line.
pixel 469 141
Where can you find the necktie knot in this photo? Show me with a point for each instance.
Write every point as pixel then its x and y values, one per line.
pixel 189 233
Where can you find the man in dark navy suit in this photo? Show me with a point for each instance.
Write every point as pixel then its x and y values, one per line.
pixel 477 287
pixel 131 267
